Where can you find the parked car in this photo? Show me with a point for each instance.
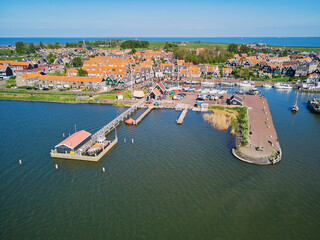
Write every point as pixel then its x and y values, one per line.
pixel 182 94
pixel 177 97
pixel 201 97
pixel 14 87
pixel 221 97
pixel 62 90
pixel 29 88
pixel 208 96
pixel 36 89
pixel 45 89
pixel 212 97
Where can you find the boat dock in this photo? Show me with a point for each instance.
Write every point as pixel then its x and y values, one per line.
pixel 87 158
pixel 80 154
pixel 182 116
pixel 145 113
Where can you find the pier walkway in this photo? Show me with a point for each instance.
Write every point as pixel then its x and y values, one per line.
pixel 145 113
pixel 110 126
pixel 182 116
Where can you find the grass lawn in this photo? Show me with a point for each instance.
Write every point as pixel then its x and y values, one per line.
pixel 113 96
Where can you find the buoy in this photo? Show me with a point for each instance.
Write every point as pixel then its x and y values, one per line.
pixel 132 140
pixel 124 140
pixel 63 135
pixel 103 169
pixel 57 166
pixel 20 162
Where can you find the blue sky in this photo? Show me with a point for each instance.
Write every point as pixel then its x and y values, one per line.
pixel 97 18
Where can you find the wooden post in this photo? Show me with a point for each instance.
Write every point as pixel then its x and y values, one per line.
pixel 20 162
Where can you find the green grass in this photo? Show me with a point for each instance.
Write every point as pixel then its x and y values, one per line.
pixel 114 96
pixel 37 97
pixel 301 49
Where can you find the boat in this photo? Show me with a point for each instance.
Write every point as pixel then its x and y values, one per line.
pixel 267 86
pixel 245 84
pixel 100 144
pixel 314 105
pixel 295 107
pixel 129 121
pixel 227 84
pixel 282 86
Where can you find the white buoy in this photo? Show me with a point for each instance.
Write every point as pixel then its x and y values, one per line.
pixel 57 167
pixel 132 140
pixel 20 162
pixel 103 169
pixel 124 140
pixel 63 135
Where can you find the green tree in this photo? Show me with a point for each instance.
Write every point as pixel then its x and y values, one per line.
pixel 244 48
pixel 133 51
pixel 42 45
pixel 285 53
pixel 77 62
pixel 82 73
pixel 19 47
pixel 50 58
pixel 31 48
pixel 233 48
pixel 57 45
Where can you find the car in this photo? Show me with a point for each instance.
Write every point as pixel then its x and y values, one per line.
pixel 176 97
pixel 14 87
pixel 45 89
pixel 36 89
pixel 201 97
pixel 182 94
pixel 221 97
pixel 62 90
pixel 212 97
pixel 208 96
pixel 29 88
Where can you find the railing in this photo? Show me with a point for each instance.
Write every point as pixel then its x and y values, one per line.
pixel 109 127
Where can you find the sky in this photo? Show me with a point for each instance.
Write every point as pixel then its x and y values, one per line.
pixel 137 18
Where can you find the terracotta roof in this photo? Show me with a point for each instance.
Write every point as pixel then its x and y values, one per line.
pixel 156 91
pixel 3 66
pixel 70 79
pixel 31 75
pixel 75 139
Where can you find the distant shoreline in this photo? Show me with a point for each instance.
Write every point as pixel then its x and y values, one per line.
pixel 306 42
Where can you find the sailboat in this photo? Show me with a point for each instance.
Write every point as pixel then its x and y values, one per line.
pixel 295 108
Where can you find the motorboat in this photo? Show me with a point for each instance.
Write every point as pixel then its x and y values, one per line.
pixel 267 86
pixel 282 86
pixel 245 84
pixel 100 144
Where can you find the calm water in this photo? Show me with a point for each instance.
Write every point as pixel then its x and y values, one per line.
pixel 176 182
pixel 275 41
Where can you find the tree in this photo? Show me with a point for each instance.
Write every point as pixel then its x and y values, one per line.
pixel 133 51
pixel 19 47
pixel 50 58
pixel 77 62
pixel 31 48
pixel 285 53
pixel 244 48
pixel 233 48
pixel 82 73
pixel 41 45
pixel 57 45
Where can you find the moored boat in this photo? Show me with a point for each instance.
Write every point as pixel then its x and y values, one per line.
pixel 282 86
pixel 267 86
pixel 314 105
pixel 129 121
pixel 100 144
pixel 245 84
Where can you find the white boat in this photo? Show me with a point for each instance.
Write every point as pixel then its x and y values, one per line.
pixel 227 84
pixel 245 84
pixel 266 86
pixel 282 86
pixel 222 92
pixel 214 91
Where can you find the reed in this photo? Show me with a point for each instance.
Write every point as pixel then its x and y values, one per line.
pixel 221 119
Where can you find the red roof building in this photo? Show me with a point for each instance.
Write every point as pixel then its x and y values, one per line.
pixel 74 142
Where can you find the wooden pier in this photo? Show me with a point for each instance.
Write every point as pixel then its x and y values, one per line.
pixel 80 154
pixel 182 116
pixel 87 158
pixel 145 113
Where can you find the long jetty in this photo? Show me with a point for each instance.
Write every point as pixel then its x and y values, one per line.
pixel 105 130
pixel 145 113
pixel 182 116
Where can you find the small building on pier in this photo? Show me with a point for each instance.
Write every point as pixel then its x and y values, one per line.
pixel 74 142
pixel 235 100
